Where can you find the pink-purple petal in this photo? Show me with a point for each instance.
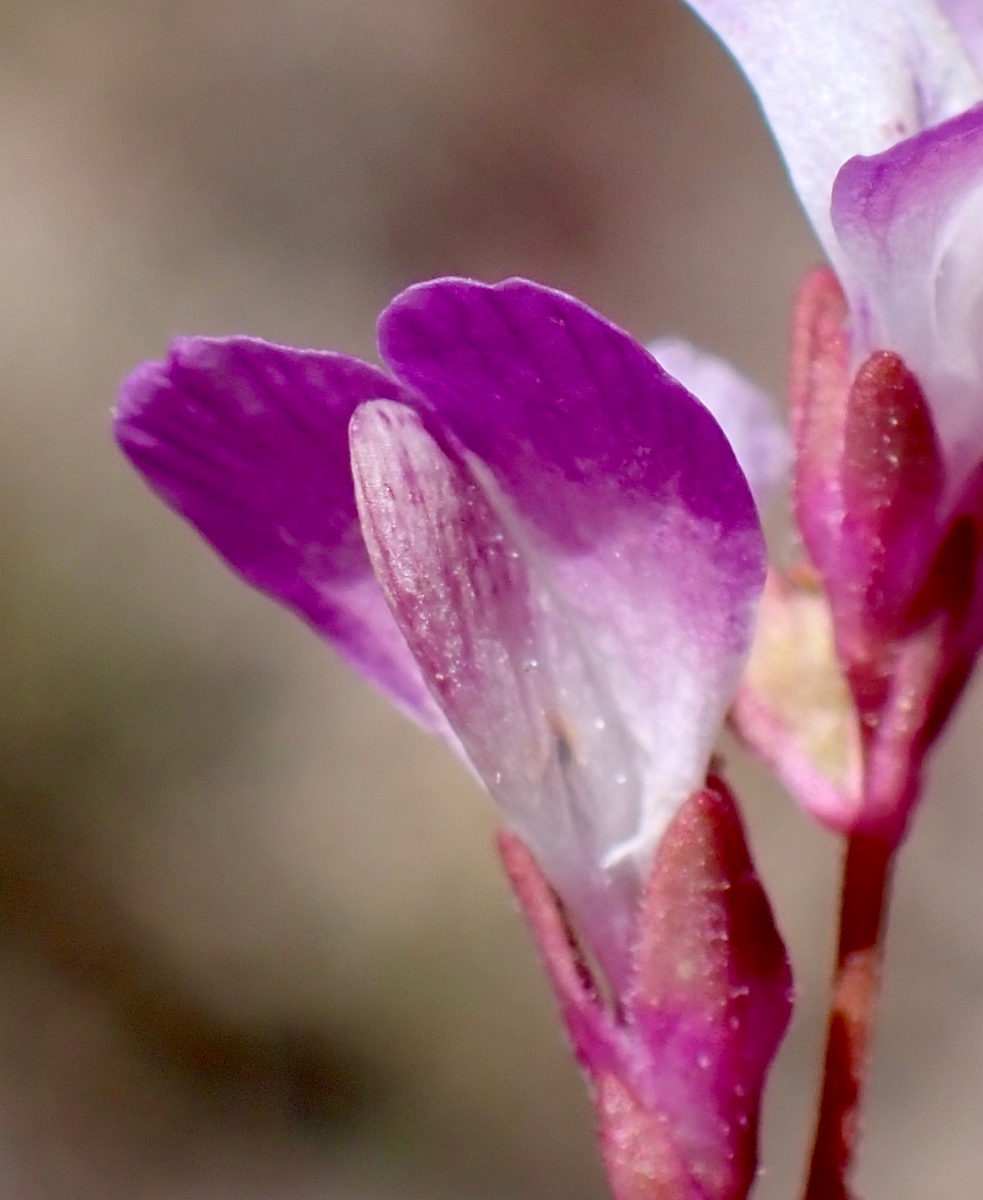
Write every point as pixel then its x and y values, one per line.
pixel 248 441
pixel 745 413
pixel 837 78
pixel 624 489
pixel 909 223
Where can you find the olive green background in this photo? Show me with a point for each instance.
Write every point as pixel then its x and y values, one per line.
pixel 253 939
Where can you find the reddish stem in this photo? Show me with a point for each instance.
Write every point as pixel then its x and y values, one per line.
pixel 856 986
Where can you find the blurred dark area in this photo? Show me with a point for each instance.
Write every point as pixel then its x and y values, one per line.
pixel 253 938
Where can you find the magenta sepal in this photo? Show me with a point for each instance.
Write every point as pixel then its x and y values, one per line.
pixel 677 1062
pixel 869 476
pixel 897 555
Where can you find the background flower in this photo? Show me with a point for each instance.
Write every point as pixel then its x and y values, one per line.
pixel 876 111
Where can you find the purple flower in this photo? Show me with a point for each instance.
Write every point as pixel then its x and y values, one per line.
pixel 877 110
pixel 542 547
pixel 539 545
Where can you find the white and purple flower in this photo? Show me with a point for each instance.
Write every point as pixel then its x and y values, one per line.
pixel 542 547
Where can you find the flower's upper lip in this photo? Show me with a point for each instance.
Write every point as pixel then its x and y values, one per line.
pixel 876 107
pixel 249 442
pixel 838 78
pixel 908 224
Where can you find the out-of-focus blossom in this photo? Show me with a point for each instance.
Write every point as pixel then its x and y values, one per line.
pixel 743 411
pixel 876 109
pixel 543 548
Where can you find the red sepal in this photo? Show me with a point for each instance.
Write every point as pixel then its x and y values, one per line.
pixel 677 1065
pixel 869 475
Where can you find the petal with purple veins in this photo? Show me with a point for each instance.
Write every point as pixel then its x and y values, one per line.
pixel 626 495
pixel 513 670
pixel 744 412
pixel 249 442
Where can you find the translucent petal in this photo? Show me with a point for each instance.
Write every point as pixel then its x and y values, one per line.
pixel 517 674
pixel 746 414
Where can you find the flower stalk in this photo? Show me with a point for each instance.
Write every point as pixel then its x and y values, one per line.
pixel 864 902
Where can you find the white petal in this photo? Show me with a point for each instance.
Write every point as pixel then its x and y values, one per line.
pixel 838 78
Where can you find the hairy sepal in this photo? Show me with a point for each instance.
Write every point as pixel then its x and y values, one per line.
pixel 677 1061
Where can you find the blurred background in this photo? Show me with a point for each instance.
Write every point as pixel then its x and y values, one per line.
pixel 253 939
